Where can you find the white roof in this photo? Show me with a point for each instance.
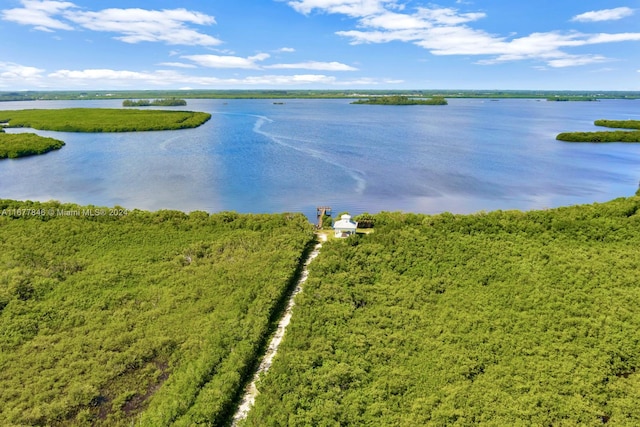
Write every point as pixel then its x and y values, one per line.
pixel 345 223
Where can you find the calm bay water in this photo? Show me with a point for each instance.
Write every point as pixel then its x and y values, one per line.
pixel 257 156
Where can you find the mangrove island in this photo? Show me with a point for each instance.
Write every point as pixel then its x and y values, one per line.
pixel 17 145
pixel 103 119
pixel 606 136
pixel 166 102
pixel 401 100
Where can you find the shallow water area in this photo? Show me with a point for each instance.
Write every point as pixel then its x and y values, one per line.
pixel 258 156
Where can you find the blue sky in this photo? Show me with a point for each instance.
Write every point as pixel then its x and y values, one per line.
pixel 319 44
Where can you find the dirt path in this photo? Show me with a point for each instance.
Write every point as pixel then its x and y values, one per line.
pixel 251 391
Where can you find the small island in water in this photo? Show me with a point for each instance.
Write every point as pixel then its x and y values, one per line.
pixel 17 145
pixel 102 119
pixel 606 136
pixel 85 120
pixel 572 98
pixel 166 102
pixel 402 100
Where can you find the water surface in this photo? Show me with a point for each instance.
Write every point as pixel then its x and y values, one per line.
pixel 257 156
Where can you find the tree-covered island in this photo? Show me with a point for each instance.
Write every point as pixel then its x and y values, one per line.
pixel 606 136
pixel 401 100
pixel 103 119
pixel 84 120
pixel 17 145
pixel 573 98
pixel 165 102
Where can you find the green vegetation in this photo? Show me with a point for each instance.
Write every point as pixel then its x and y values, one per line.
pixel 401 100
pixel 113 317
pixel 166 102
pixel 572 98
pixel 619 136
pixel 620 124
pixel 25 144
pixel 103 119
pixel 502 319
pixel 606 136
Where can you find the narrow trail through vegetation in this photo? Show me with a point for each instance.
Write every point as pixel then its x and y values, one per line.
pixel 249 397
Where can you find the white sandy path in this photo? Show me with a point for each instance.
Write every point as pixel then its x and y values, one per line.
pixel 251 391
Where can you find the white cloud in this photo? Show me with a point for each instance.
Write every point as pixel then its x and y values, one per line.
pixel 137 25
pixel 176 64
pixel 124 78
pixel 286 49
pixel 314 65
pixel 288 80
pixel 355 8
pixel 394 21
pixel 102 74
pixel 39 14
pixel 218 61
pixel 447 31
pixel 10 71
pixel 14 75
pixel 604 15
pixel 133 25
pixel 448 16
pixel 576 60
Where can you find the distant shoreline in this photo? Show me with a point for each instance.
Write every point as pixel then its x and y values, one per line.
pixel 312 94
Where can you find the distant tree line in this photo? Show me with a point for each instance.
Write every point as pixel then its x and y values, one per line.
pixel 301 94
pixel 165 102
pixel 572 98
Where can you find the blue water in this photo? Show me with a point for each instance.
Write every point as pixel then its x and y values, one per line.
pixel 256 156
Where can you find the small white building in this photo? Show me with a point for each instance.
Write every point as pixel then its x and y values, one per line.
pixel 345 227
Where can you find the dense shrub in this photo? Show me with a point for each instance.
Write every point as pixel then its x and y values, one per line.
pixel 114 317
pixel 500 318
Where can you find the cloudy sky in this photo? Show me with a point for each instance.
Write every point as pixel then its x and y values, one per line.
pixel 319 44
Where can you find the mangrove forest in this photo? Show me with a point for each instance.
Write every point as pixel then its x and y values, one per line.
pixel 401 100
pixel 504 318
pixel 112 317
pixel 17 145
pixel 166 102
pixel 606 136
pixel 117 317
pixel 102 119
